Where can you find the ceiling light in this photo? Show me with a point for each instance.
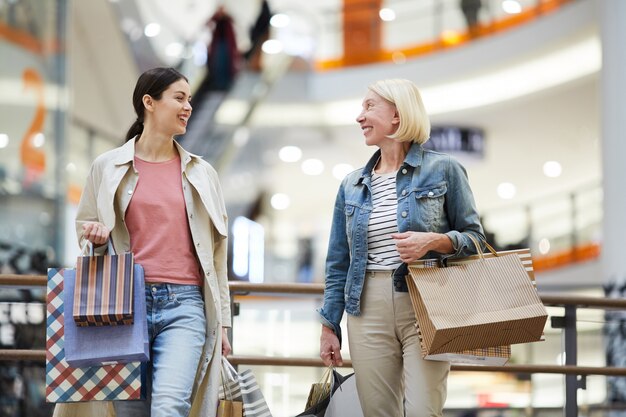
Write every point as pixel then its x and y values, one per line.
pixel 39 140
pixel 312 166
pixel 135 34
pixel 290 154
pixel 451 37
pixel 272 46
pixel 280 20
pixel 511 6
pixel 70 167
pixel 341 170
pixel 280 201
pixel 174 49
pixel 552 169
pixel 387 14
pixel 4 140
pixel 398 57
pixel 544 246
pixel 506 191
pixel 152 29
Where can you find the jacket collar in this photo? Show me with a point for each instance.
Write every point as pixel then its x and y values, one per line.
pixel 413 158
pixel 126 154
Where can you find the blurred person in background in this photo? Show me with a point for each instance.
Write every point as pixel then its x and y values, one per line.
pixel 407 203
pixel 153 198
pixel 470 9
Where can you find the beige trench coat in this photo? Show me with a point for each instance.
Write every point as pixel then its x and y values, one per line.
pixel 105 198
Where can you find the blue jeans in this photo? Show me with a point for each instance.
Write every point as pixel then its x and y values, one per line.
pixel 177 329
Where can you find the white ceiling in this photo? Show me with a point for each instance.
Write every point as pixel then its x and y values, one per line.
pixel 559 123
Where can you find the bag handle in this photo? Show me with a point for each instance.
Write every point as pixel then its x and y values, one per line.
pixel 228 369
pixel 327 374
pixel 228 393
pixel 479 250
pixel 89 245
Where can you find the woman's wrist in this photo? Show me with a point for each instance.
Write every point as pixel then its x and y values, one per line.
pixel 326 329
pixel 441 243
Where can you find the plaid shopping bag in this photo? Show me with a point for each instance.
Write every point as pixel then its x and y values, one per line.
pixel 67 384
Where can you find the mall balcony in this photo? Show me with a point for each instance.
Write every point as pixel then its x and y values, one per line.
pixel 530 99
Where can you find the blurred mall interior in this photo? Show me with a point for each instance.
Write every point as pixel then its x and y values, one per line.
pixel 530 99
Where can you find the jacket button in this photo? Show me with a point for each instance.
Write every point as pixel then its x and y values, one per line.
pixel 130 192
pixel 404 214
pixel 404 171
pixel 404 192
pixel 430 194
pixel 191 215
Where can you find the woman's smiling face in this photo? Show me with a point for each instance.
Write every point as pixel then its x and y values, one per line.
pixel 378 119
pixel 173 109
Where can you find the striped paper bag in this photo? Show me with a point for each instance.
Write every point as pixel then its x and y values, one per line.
pixel 481 301
pixel 104 290
pixel 243 387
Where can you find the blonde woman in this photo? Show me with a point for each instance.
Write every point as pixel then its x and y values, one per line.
pixel 407 203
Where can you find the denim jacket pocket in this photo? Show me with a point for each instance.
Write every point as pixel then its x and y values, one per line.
pixel 430 204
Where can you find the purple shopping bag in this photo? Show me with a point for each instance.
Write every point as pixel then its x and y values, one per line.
pixel 89 346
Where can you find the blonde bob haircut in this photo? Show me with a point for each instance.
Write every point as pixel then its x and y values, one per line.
pixel 414 123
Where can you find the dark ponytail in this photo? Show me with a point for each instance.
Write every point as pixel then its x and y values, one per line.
pixel 152 82
pixel 135 130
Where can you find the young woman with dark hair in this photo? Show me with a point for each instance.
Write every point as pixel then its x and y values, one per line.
pixel 153 198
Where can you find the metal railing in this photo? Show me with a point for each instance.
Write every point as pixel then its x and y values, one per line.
pixel 574 375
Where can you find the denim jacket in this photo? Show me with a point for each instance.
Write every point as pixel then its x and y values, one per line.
pixel 433 196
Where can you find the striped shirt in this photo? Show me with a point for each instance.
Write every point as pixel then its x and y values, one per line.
pixel 382 253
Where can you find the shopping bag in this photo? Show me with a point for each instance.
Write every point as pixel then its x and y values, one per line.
pixel 68 384
pixel 321 407
pixel 227 406
pixel 320 390
pixel 104 289
pixel 244 388
pixel 491 356
pixel 344 401
pixel 84 345
pixel 482 301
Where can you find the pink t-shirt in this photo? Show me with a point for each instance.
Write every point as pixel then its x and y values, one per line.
pixel 159 229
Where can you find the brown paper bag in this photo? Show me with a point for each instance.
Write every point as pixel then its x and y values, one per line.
pixel 320 390
pixel 493 356
pixel 477 302
pixel 229 408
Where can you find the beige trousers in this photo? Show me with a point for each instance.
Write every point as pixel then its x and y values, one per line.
pixel 391 377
